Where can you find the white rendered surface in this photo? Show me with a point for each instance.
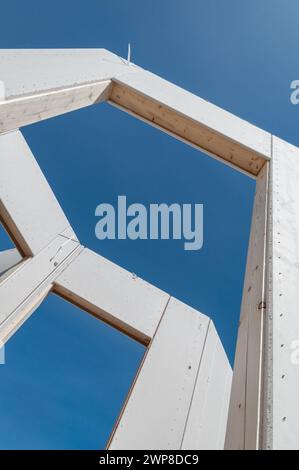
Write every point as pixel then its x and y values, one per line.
pixel 41 83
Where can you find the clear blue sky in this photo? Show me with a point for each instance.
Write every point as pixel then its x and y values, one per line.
pixel 67 374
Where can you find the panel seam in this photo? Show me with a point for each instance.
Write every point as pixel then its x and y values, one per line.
pixel 194 386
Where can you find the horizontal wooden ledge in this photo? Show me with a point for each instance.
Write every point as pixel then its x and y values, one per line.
pixel 187 129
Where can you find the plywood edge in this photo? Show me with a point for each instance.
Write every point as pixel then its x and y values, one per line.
pixel 100 314
pixel 186 129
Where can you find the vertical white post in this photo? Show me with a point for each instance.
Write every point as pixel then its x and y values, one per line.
pixel 244 413
pixel 264 412
pixel 281 411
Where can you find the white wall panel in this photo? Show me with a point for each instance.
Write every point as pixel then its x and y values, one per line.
pixel 21 292
pixel 158 407
pixel 180 397
pixel 28 206
pixel 31 71
pixel 207 419
pixel 282 418
pixel 41 83
pixel 113 294
pixel 243 430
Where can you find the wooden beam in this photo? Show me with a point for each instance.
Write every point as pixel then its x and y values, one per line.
pixel 193 120
pixel 113 295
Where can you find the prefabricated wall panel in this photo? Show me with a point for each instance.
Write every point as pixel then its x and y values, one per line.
pixel 243 429
pixel 113 294
pixel 27 72
pixel 55 261
pixel 207 420
pixel 20 293
pixel 263 409
pixel 37 84
pixel 28 207
pixel 181 393
pixel 281 424
pixel 180 397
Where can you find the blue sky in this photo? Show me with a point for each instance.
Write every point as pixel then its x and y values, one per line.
pixel 67 374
